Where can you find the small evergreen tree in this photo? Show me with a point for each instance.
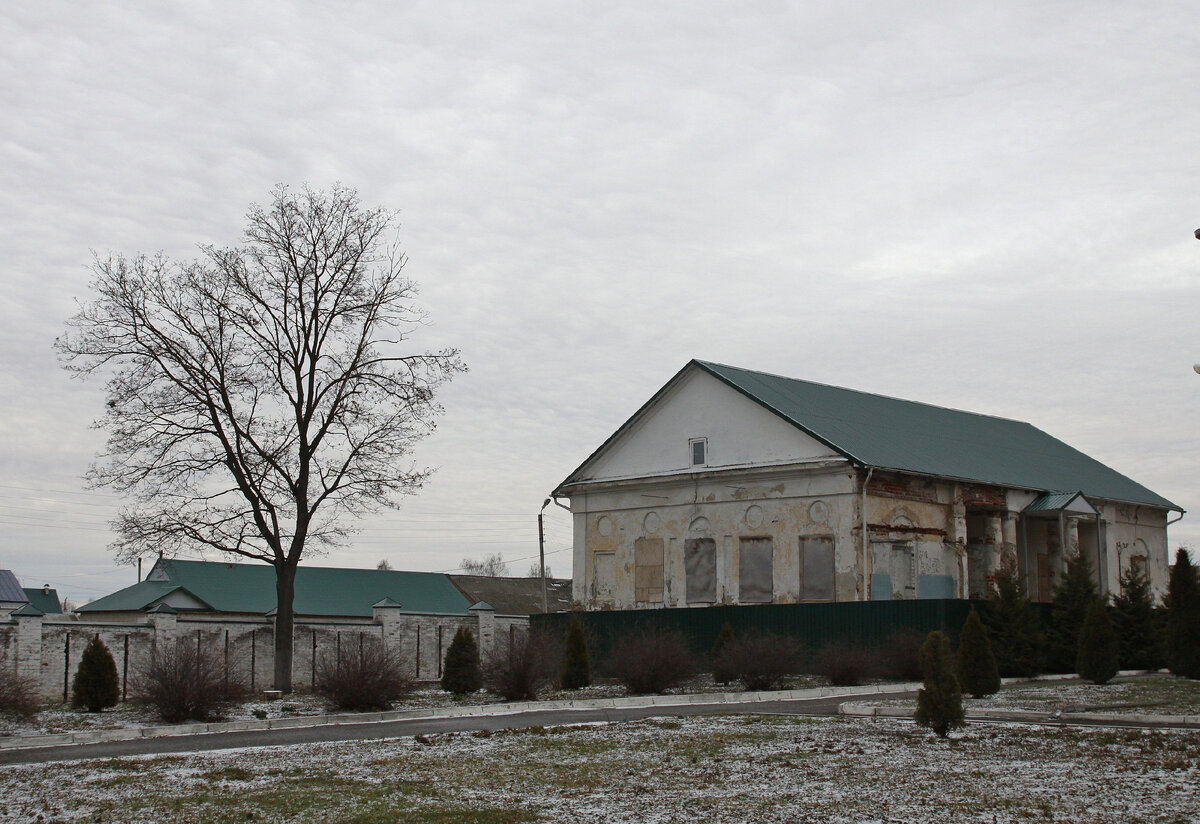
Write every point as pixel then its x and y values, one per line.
pixel 576 668
pixel 977 672
pixel 462 674
pixel 1098 649
pixel 1073 597
pixel 722 670
pixel 939 702
pixel 1139 636
pixel 96 684
pixel 1013 626
pixel 1183 617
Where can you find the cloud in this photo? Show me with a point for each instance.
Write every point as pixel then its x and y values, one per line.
pixel 984 207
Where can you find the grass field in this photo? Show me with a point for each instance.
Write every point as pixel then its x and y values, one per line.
pixel 1155 695
pixel 752 769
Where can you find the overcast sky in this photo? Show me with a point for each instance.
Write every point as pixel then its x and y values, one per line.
pixel 985 206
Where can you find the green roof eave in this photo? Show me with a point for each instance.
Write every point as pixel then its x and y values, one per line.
pixel 134 598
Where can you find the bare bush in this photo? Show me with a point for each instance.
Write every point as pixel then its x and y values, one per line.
pixel 183 682
pixel 652 662
pixel 369 678
pixel 517 670
pixel 847 665
pixel 900 657
pixel 760 661
pixel 18 695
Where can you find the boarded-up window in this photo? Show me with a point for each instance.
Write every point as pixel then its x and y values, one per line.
pixel 756 571
pixel 605 576
pixel 700 567
pixel 892 571
pixel 648 570
pixel 816 568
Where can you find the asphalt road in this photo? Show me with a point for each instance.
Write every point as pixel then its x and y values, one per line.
pixel 395 729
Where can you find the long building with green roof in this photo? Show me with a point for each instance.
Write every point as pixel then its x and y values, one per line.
pixel 225 589
pixel 731 486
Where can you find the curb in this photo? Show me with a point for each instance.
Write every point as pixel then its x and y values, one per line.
pixel 514 708
pixel 861 711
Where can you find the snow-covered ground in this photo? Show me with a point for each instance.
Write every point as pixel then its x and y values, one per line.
pixel 62 718
pixel 1155 694
pixel 729 769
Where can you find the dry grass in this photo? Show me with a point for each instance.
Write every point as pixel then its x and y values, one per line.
pixel 730 769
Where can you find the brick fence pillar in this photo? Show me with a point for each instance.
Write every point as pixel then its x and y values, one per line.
pixel 29 643
pixel 165 621
pixel 485 615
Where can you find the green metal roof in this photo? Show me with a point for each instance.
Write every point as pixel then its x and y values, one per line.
pixel 47 602
pixel 889 433
pixel 1054 501
pixel 250 588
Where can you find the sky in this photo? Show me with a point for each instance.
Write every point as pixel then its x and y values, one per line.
pixel 983 206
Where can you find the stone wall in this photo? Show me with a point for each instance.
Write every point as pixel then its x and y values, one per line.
pixel 47 648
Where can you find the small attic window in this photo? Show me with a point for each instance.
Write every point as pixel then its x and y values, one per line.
pixel 699 448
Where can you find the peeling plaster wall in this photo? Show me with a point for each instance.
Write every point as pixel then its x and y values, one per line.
pixel 1136 531
pixel 808 501
pixel 926 537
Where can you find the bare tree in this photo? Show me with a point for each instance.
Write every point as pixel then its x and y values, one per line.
pixel 259 398
pixel 535 571
pixel 384 565
pixel 492 566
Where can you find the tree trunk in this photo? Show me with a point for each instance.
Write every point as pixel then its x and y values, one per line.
pixel 285 590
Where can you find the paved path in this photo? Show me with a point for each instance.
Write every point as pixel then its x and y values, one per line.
pixel 827 705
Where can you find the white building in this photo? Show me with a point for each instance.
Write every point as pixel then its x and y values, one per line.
pixel 731 486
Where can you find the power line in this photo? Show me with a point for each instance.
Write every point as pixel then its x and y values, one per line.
pixel 514 560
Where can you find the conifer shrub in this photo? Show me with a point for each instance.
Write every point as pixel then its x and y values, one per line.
pixel 364 679
pixel 721 672
pixel 847 664
pixel 576 671
pixel 96 685
pixel 651 661
pixel 760 661
pixel 1137 624
pixel 183 682
pixel 1073 597
pixel 977 672
pixel 939 702
pixel 1098 649
pixel 1183 617
pixel 18 695
pixel 462 673
pixel 519 669
pixel 1013 626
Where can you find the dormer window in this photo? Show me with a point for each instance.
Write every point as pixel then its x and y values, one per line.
pixel 699 447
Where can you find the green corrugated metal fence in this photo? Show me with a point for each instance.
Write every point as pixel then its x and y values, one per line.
pixel 868 624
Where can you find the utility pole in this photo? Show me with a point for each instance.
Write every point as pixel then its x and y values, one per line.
pixel 542 553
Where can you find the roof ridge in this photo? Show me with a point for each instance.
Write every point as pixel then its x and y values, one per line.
pixel 861 392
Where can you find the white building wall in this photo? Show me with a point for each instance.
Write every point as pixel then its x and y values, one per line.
pixel 738 430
